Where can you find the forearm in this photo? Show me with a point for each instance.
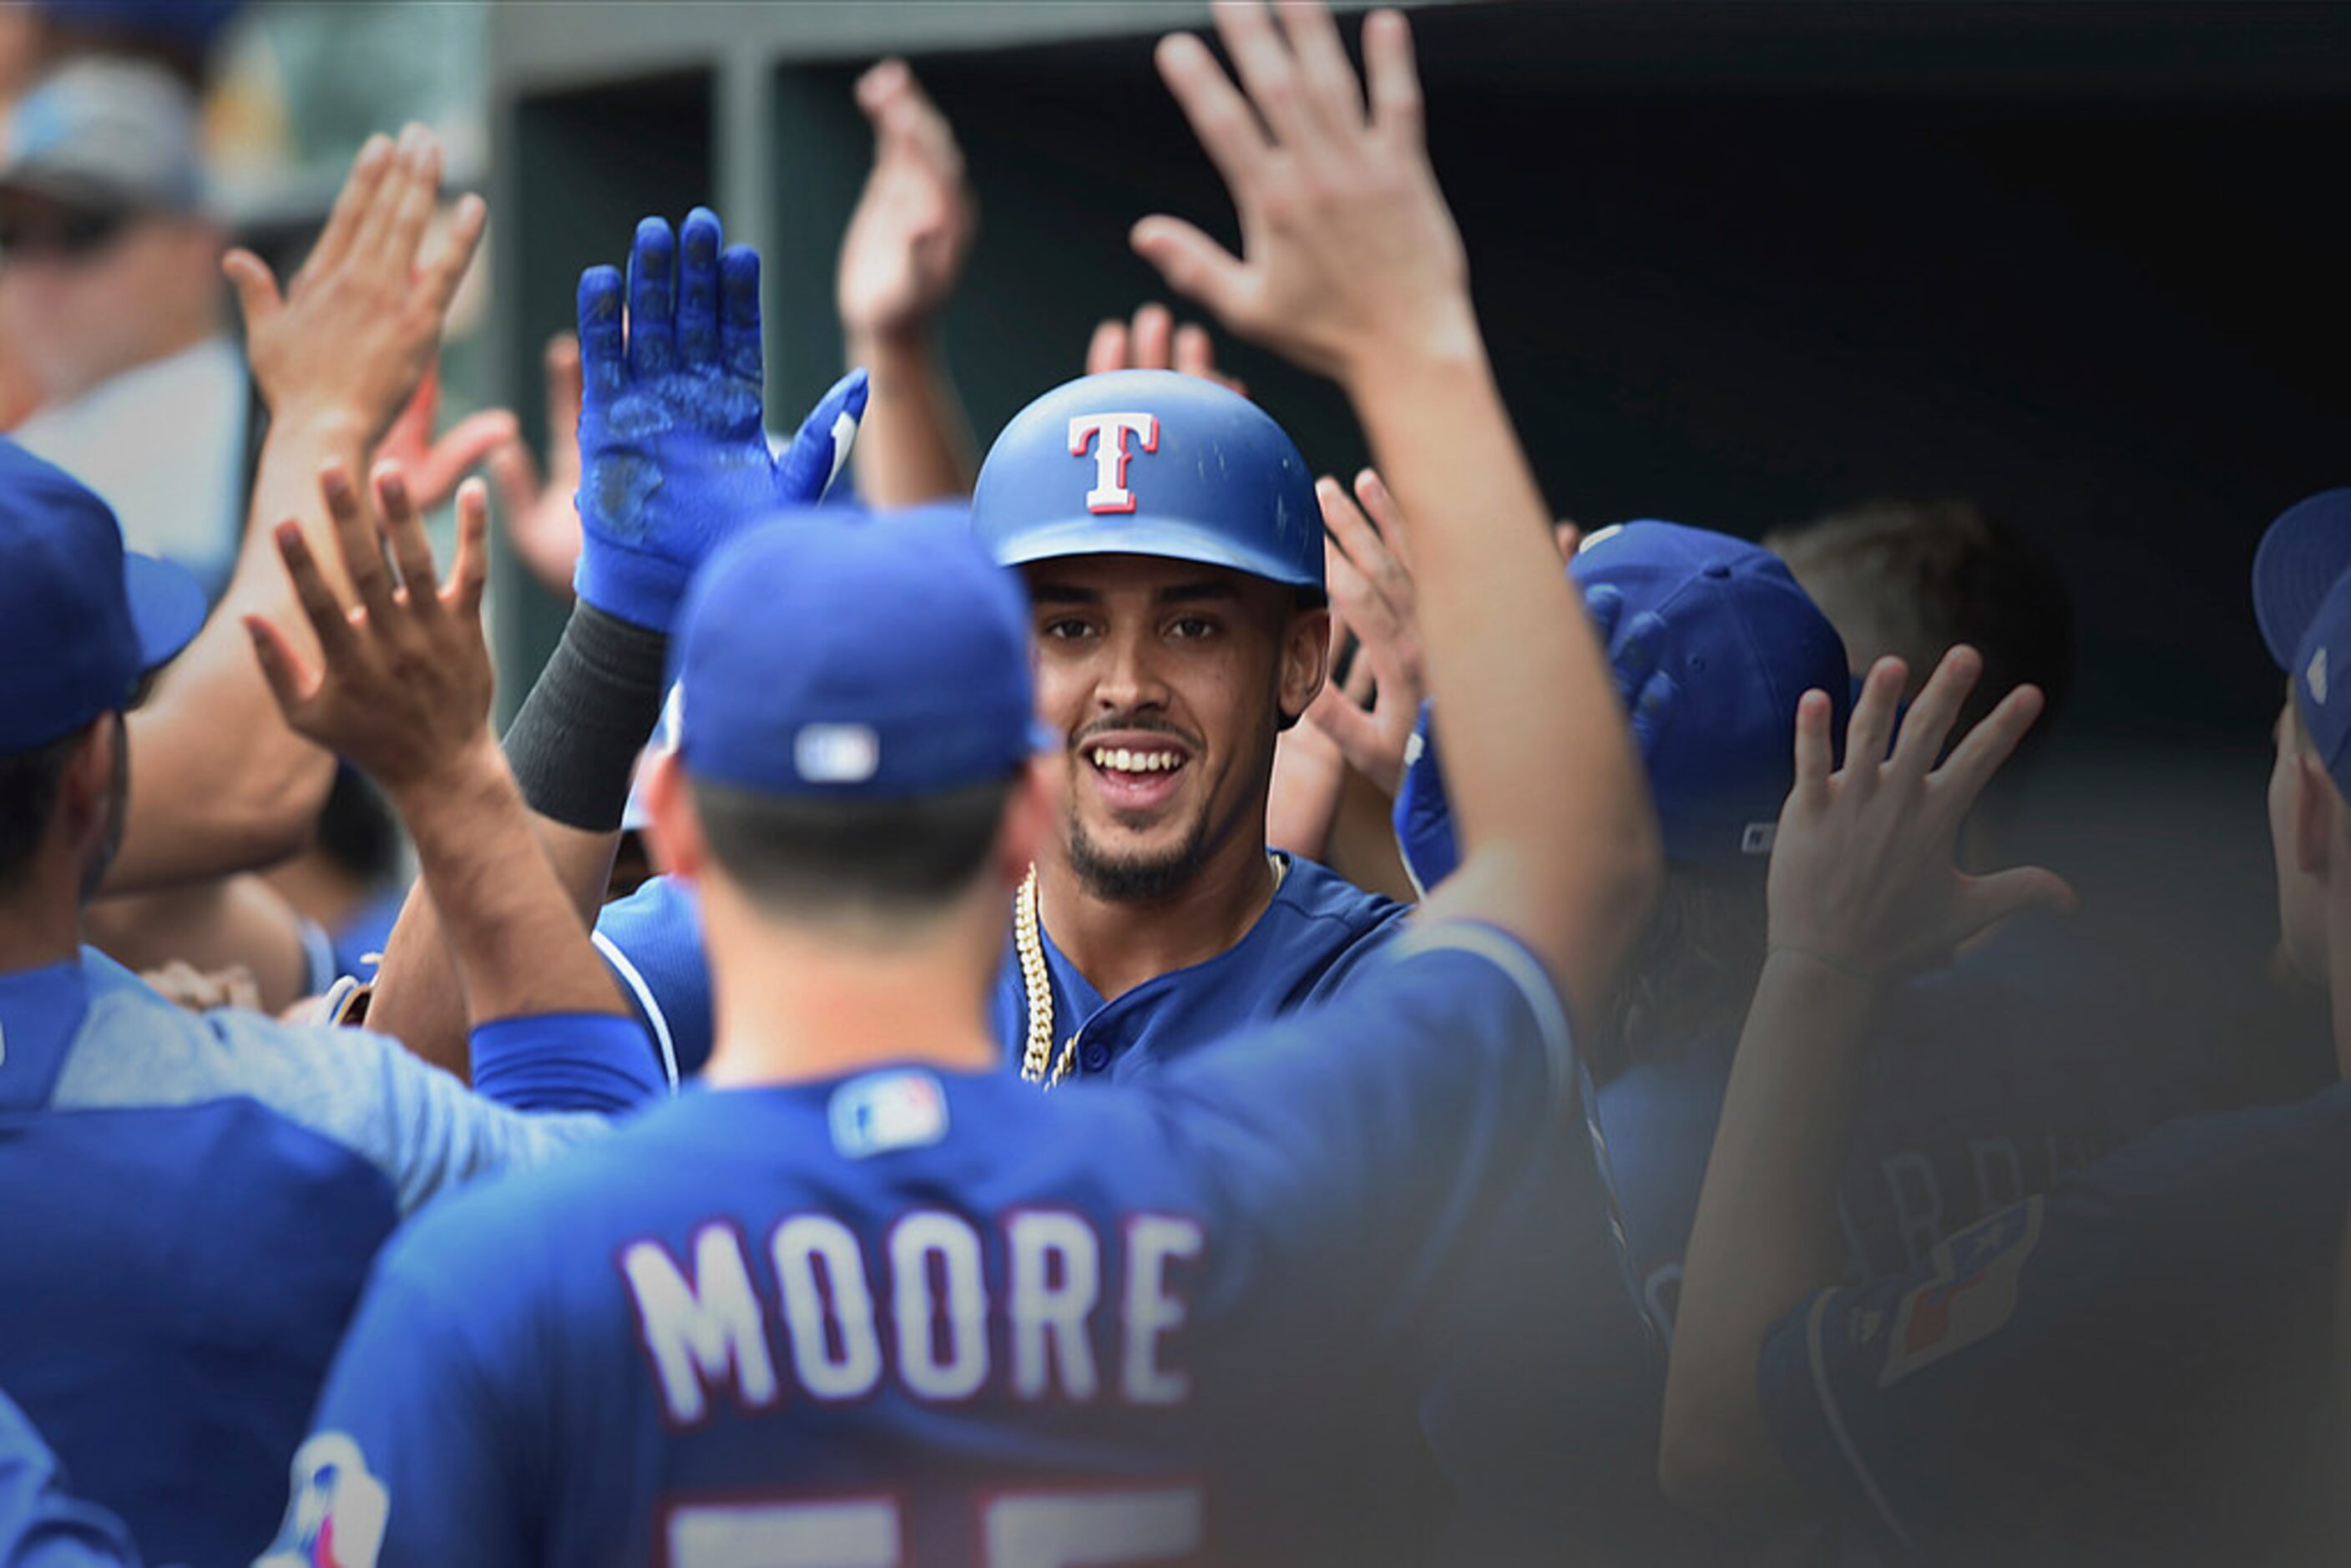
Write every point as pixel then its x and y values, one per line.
pixel 1765 1236
pixel 519 946
pixel 219 782
pixel 1549 793
pixel 913 444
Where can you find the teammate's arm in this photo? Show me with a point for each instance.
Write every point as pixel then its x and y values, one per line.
pixel 1352 267
pixel 900 258
pixel 218 782
pixel 1862 890
pixel 674 461
pixel 42 1525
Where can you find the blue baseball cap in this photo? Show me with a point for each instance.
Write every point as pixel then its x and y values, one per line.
pixel 1151 463
pixel 836 656
pixel 1716 644
pixel 2321 681
pixel 2306 551
pixel 82 621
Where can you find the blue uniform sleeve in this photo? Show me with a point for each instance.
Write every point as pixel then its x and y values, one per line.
pixel 1365 1139
pixel 410 1458
pixel 653 942
pixel 2045 1341
pixel 566 1061
pixel 41 1524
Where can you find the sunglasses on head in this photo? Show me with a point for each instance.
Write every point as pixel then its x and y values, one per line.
pixel 70 234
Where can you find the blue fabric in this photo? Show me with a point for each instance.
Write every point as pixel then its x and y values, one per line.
pixel 1313 937
pixel 41 1523
pixel 2124 1367
pixel 673 447
pixel 565 1061
pixel 1249 1239
pixel 81 619
pixel 2304 551
pixel 1151 463
pixel 783 688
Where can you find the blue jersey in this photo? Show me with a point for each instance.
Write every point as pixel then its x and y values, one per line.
pixel 1316 933
pixel 42 1525
pixel 2121 1369
pixel 194 1203
pixel 928 1317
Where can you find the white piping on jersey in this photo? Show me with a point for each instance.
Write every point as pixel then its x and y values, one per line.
pixel 1836 1419
pixel 644 995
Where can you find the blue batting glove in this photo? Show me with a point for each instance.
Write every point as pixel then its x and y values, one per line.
pixel 674 455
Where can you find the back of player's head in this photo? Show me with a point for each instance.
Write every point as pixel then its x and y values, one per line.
pixel 82 625
pixel 853 708
pixel 1156 464
pixel 1912 578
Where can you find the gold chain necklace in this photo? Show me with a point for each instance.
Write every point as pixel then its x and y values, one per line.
pixel 1027 940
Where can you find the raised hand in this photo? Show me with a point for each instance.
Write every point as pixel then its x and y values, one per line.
pixel 1155 344
pixel 673 451
pixel 1863 876
pixel 403 690
pixel 541 516
pixel 352 338
pixel 1371 597
pixel 435 465
pixel 1347 247
pixel 906 242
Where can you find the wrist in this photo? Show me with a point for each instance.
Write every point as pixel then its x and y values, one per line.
pixel 1822 963
pixel 450 786
pixel 323 421
pixel 894 346
pixel 1440 340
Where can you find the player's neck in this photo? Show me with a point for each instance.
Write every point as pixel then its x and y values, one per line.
pixel 794 1004
pixel 1119 944
pixel 40 925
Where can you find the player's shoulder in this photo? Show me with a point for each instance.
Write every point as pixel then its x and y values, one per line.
pixel 1328 926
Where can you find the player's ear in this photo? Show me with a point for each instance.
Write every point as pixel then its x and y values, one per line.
pixel 2318 817
pixel 1305 661
pixel 86 789
pixel 1028 822
pixel 673 838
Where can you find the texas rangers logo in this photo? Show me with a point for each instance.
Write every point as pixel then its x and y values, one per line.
pixel 1112 454
pixel 1973 1295
pixel 338 1514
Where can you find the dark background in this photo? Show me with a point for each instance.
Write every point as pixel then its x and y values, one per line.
pixel 1738 264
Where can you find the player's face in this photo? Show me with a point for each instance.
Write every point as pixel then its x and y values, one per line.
pixel 1172 681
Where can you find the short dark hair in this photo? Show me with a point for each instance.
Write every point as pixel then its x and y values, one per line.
pixel 29 785
pixel 889 860
pixel 1692 969
pixel 1914 577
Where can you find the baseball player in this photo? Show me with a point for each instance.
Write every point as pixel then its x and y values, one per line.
pixel 195 1199
pixel 2126 1367
pixel 865 1296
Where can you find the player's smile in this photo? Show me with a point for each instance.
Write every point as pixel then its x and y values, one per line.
pixel 1137 773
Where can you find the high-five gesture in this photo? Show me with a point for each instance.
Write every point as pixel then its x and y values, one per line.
pixel 1155 342
pixel 1863 876
pixel 672 450
pixel 914 224
pixel 1346 239
pixel 1370 598
pixel 357 328
pixel 403 690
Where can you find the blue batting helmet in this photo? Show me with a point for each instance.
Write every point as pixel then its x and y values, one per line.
pixel 1151 463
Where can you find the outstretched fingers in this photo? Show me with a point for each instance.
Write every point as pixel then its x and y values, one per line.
pixel 356 541
pixel 351 203
pixel 1927 724
pixel 1391 78
pixel 330 623
pixel 1219 116
pixel 469 575
pixel 603 362
pixel 1986 748
pixel 739 347
pixel 1816 747
pixel 699 242
pixel 403 530
pixel 1871 725
pixel 652 311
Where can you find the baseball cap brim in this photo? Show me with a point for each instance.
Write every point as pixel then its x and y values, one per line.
pixel 2300 556
pixel 1158 538
pixel 167 608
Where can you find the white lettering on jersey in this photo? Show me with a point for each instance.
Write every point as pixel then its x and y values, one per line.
pixel 1109 493
pixel 700 1332
pixel 1991 1194
pixel 1151 1309
pixel 841 1300
pixel 1921 1224
pixel 1056 1281
pixel 917 1242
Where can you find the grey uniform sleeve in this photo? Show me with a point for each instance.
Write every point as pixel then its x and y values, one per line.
pixel 422 1129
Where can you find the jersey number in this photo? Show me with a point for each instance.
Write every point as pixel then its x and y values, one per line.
pixel 1017 1530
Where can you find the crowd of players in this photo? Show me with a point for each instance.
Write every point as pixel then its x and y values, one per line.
pixel 1007 1129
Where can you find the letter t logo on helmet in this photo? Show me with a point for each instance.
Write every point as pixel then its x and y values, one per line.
pixel 1109 493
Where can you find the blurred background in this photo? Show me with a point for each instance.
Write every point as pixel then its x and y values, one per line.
pixel 1740 264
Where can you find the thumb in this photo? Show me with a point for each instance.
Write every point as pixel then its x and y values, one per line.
pixel 1985 901
pixel 255 286
pixel 279 667
pixel 1193 264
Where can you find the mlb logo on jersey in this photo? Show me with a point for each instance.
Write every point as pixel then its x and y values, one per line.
pixel 1107 435
pixel 1973 1295
pixel 337 1514
pixel 886 1111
